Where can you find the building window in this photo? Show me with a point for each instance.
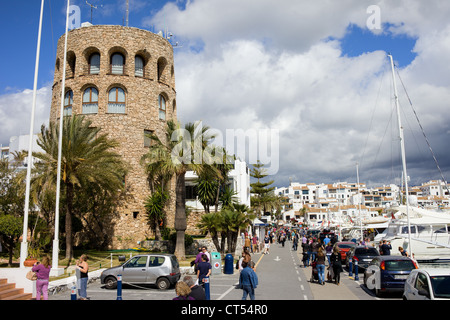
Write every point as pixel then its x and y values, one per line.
pixel 147 139
pixel 116 100
pixel 162 107
pixel 117 63
pixel 68 101
pixel 94 64
pixel 138 66
pixel 90 101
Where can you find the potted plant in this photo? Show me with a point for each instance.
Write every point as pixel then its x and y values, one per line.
pixel 33 254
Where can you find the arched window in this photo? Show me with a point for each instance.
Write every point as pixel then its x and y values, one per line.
pixel 162 107
pixel 68 101
pixel 116 100
pixel 94 64
pixel 117 63
pixel 161 65
pixel 138 66
pixel 90 100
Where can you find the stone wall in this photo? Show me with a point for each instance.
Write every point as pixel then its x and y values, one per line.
pixel 141 106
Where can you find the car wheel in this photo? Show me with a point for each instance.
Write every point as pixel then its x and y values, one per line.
pixel 111 283
pixel 163 283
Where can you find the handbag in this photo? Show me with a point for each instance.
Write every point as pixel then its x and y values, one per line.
pixel 31 275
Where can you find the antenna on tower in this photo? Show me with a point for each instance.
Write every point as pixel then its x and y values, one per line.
pixel 92 7
pixel 127 11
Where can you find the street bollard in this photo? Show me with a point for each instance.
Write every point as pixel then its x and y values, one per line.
pixel 350 268
pixel 206 286
pixel 73 295
pixel 356 270
pixel 119 287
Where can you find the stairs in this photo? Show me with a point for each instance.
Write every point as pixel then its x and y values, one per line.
pixel 8 291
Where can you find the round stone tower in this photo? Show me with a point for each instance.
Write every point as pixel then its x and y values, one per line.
pixel 122 79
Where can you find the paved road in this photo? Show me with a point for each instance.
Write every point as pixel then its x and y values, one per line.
pixel 281 277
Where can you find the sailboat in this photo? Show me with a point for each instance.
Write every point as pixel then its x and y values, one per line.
pixel 424 234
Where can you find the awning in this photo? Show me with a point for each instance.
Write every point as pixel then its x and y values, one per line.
pixel 258 222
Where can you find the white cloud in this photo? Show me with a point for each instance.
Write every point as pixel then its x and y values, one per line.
pixel 15 112
pixel 266 64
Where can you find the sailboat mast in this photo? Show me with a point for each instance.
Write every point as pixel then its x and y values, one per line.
pixel 402 146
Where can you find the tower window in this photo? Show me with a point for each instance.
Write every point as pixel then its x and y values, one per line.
pixel 68 101
pixel 90 100
pixel 94 64
pixel 162 107
pixel 116 100
pixel 138 66
pixel 117 63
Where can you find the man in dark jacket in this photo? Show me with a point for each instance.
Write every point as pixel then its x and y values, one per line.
pixel 386 248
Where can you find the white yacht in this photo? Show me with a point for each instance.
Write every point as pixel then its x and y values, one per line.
pixel 430 237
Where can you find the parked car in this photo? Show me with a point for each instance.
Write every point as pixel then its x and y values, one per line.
pixel 388 273
pixel 163 270
pixel 362 254
pixel 428 284
pixel 344 247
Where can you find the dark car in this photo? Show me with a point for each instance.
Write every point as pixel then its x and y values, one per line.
pixel 388 273
pixel 344 247
pixel 362 254
pixel 161 270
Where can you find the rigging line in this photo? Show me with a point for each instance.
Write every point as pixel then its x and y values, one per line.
pixel 51 25
pixel 423 132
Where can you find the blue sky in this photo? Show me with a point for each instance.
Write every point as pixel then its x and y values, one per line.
pixel 311 69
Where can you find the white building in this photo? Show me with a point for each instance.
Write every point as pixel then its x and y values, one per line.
pixel 238 179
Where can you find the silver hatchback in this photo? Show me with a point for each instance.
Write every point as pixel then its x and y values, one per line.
pixel 163 270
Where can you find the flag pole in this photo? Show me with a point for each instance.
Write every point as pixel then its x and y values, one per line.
pixel 24 244
pixel 55 269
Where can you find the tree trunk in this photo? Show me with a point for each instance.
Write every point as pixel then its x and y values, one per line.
pixel 180 216
pixel 69 236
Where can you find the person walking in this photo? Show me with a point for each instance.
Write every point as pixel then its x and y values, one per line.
pixel 307 250
pixel 203 269
pixel 336 264
pixel 294 242
pixel 255 245
pixel 329 251
pixel 266 244
pixel 83 266
pixel 248 281
pixel 320 265
pixel 42 270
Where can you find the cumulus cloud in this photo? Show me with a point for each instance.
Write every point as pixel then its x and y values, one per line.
pixel 265 64
pixel 15 112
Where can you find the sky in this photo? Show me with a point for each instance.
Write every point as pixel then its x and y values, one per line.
pixel 312 76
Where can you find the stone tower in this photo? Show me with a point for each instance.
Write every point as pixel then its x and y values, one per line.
pixel 122 79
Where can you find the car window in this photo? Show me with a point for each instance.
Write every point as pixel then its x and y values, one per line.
pixel 441 286
pixel 156 261
pixel 175 263
pixel 137 262
pixel 399 265
pixel 345 246
pixel 366 251
pixel 422 282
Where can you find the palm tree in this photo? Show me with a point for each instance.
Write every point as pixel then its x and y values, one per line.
pixel 173 157
pixel 88 158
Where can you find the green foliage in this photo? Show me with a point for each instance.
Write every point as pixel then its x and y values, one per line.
pixel 11 228
pixel 90 168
